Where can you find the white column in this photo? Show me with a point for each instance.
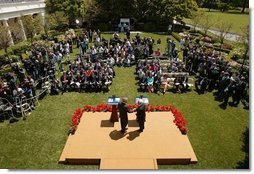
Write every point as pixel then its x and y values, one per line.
pixel 22 29
pixel 5 22
pixel 43 19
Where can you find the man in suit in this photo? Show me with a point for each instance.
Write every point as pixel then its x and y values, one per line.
pixel 64 81
pixel 141 115
pixel 123 114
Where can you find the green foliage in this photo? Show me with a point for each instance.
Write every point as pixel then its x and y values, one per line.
pixel 223 27
pixel 5 70
pixel 150 27
pixel 56 21
pixel 230 55
pixel 20 48
pixel 102 26
pixel 16 50
pixel 196 17
pixel 5 38
pixel 176 36
pixel 14 58
pixel 223 6
pixel 206 23
pixel 33 25
pixel 107 10
pixel 210 4
pixel 237 19
pixel 73 9
pixel 198 38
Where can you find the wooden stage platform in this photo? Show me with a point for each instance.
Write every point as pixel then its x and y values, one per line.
pixel 100 142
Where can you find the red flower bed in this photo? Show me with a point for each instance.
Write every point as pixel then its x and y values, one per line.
pixel 179 119
pixel 76 116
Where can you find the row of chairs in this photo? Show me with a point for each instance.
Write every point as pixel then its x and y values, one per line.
pixel 23 105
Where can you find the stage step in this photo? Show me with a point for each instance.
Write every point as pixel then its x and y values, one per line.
pixel 128 163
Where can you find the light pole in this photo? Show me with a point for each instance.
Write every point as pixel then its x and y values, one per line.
pixel 77 22
pixel 174 22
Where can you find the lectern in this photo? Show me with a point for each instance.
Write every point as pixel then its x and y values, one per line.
pixel 144 99
pixel 113 101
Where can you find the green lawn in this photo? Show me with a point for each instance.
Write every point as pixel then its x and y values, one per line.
pixel 152 35
pixel 216 135
pixel 238 20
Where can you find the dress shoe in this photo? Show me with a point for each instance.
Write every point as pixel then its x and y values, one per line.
pixel 123 131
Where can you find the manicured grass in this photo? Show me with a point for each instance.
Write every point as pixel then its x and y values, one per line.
pixel 238 20
pixel 216 135
pixel 152 35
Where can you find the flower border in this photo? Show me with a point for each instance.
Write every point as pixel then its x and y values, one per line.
pixel 179 119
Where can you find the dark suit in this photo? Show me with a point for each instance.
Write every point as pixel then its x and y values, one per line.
pixel 141 116
pixel 123 114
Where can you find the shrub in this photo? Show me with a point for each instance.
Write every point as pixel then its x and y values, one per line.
pixel 221 49
pixel 53 33
pixel 206 39
pixel 216 44
pixel 13 58
pixel 5 70
pixel 19 48
pixel 24 56
pixel 230 56
pixel 102 26
pixel 176 36
pixel 215 40
pixel 246 62
pixel 226 46
pixel 198 38
pixel 150 27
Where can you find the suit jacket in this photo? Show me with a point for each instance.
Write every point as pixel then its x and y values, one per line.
pixel 123 111
pixel 141 113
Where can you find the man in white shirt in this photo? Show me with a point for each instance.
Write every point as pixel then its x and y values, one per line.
pixel 58 58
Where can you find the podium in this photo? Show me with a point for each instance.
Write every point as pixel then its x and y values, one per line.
pixel 144 99
pixel 113 101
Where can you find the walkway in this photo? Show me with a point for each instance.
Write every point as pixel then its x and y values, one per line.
pixel 229 36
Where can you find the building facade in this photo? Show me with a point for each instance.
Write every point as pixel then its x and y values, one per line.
pixel 12 11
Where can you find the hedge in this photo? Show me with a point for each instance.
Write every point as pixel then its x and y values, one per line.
pixel 14 51
pixel 150 27
pixel 230 55
pixel 219 49
pixel 176 36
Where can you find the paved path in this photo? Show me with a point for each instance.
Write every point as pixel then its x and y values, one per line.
pixel 229 36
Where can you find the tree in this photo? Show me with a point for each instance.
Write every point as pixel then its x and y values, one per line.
pixel 55 21
pixel 241 3
pixel 171 9
pixel 224 5
pixel 15 32
pixel 244 40
pixel 115 9
pixel 5 38
pixel 89 10
pixel 73 9
pixel 223 27
pixel 108 10
pixel 53 6
pixel 244 5
pixel 141 9
pixel 38 24
pixel 196 17
pixel 210 4
pixel 206 23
